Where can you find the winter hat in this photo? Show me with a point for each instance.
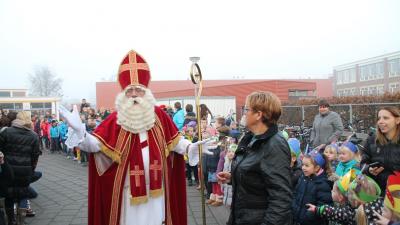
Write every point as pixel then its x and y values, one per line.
pixel 344 182
pixel 318 158
pixel 392 197
pixel 364 189
pixel 192 124
pixel 350 146
pixel 294 146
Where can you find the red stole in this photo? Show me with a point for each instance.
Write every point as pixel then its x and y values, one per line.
pixel 105 190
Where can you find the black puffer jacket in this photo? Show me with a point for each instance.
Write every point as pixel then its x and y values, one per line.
pixel 388 155
pixel 262 190
pixel 21 152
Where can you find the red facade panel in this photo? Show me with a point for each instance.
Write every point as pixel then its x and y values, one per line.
pixel 106 91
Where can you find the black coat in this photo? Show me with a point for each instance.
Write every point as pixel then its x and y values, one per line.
pixel 315 190
pixel 21 152
pixel 262 190
pixel 388 155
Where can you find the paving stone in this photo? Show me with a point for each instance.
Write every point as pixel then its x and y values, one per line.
pixel 63 196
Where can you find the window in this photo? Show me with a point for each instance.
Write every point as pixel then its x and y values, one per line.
pixel 380 89
pixel 340 93
pixel 339 77
pixel 364 91
pixel 372 71
pixel 352 91
pixel 6 105
pixel 352 75
pixel 17 105
pixel 394 67
pixel 5 94
pixel 298 93
pixel 394 87
pixel 372 90
pixel 19 94
pixel 37 105
pixel 47 105
pixel 363 73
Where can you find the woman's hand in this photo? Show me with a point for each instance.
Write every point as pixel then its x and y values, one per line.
pixel 375 170
pixel 224 177
pixel 381 220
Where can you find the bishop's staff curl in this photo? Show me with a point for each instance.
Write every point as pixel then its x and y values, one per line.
pixel 197 79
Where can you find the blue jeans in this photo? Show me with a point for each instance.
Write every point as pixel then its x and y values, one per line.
pixel 23 203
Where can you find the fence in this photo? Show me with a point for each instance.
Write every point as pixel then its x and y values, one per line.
pixel 360 116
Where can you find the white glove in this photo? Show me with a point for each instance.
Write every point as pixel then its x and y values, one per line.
pixel 74 120
pixel 193 151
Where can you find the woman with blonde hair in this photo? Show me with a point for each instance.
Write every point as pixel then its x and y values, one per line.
pixel 260 171
pixel 20 145
pixel 383 151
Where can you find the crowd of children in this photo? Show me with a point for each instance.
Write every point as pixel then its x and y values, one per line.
pixel 331 188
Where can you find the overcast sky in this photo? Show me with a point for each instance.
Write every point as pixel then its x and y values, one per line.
pixel 83 41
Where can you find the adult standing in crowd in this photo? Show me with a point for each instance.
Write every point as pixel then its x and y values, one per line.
pixel 384 148
pixel 179 116
pixel 327 126
pixel 260 175
pixel 20 145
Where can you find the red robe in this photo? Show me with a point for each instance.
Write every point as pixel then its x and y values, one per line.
pixel 105 190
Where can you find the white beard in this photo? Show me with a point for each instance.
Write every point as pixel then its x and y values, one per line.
pixel 136 118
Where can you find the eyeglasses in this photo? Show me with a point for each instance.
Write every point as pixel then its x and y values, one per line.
pixel 245 110
pixel 323 106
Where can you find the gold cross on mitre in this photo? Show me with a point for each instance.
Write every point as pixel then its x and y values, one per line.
pixel 133 66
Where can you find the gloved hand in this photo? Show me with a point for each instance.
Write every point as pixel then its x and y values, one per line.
pixel 193 151
pixel 73 119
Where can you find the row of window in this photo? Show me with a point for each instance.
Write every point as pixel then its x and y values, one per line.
pixel 368 90
pixel 373 71
pixel 13 94
pixel 19 106
pixel 346 76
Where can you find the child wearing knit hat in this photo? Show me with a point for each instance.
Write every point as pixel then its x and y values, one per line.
pixel 358 197
pixel 295 165
pixel 348 158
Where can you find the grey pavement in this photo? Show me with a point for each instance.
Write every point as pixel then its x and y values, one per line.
pixel 62 196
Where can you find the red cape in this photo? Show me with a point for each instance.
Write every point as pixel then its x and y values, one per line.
pixel 105 191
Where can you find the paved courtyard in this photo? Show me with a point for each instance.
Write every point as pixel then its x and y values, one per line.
pixel 62 196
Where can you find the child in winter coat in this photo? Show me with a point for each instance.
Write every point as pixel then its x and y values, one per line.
pixel 331 152
pixel 312 188
pixel 55 137
pixel 348 159
pixel 227 188
pixel 391 207
pixel 295 165
pixel 357 198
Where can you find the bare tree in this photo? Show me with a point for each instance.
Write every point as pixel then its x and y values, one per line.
pixel 44 83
